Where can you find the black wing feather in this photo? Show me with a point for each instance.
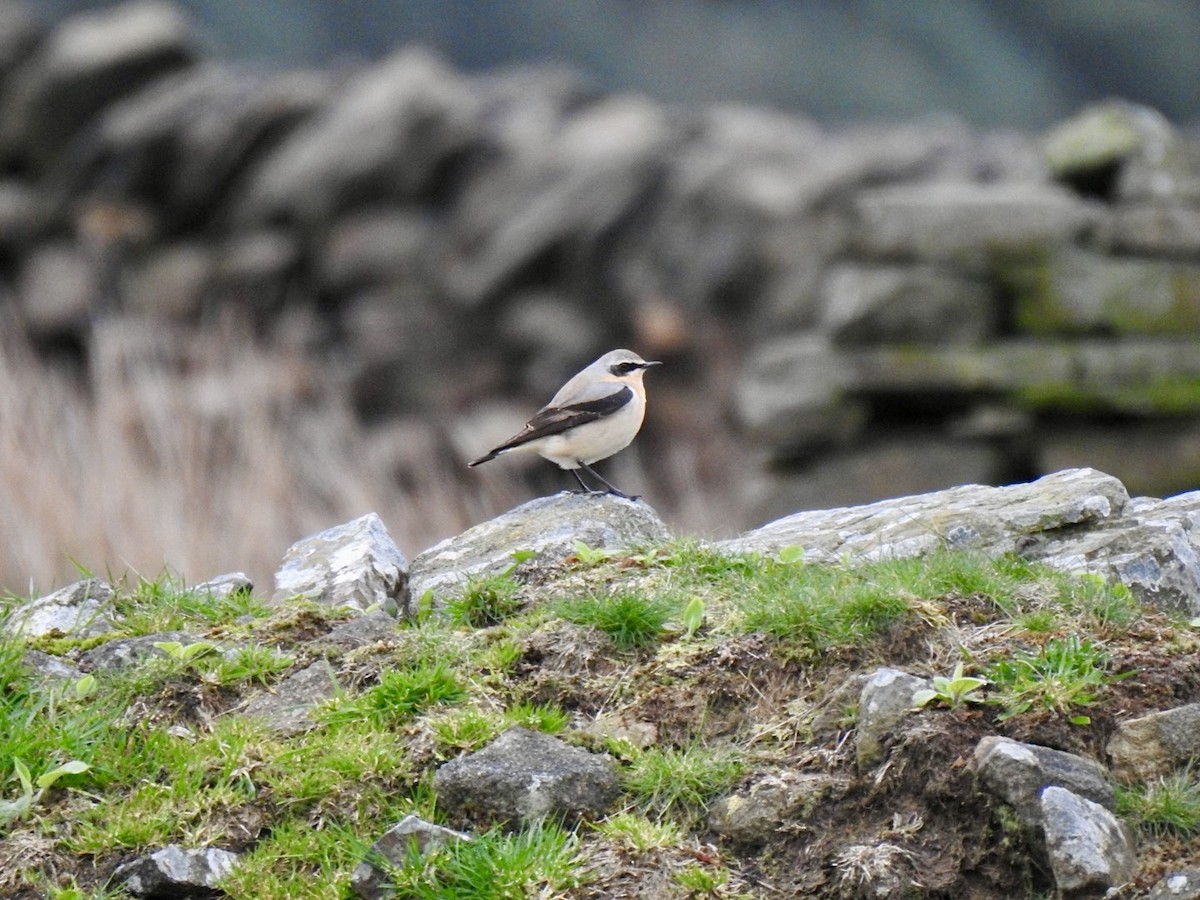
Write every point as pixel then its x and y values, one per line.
pixel 555 420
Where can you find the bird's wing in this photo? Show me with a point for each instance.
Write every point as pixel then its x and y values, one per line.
pixel 551 420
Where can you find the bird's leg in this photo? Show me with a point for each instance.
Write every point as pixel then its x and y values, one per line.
pixel 583 484
pixel 604 481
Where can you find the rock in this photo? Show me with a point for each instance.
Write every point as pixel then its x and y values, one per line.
pixel 1085 292
pixel 548 526
pixel 386 135
pixel 176 872
pixel 89 61
pixel 364 249
pixel 57 289
pixel 356 565
pixel 1156 228
pixel 886 699
pixel 756 812
pixel 121 653
pixel 988 519
pixel 1091 145
pixel 82 609
pixel 224 586
pixel 1090 850
pixel 190 137
pixel 524 776
pixel 906 304
pixel 285 708
pixel 373 628
pixel 1017 773
pixel 49 668
pixel 1154 745
pixel 1182 885
pixel 891 464
pixel 964 223
pixel 370 878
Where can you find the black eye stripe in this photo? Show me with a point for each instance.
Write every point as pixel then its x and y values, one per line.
pixel 625 368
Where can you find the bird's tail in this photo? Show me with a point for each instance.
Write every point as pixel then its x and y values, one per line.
pixel 483 459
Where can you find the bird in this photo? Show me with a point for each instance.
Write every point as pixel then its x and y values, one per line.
pixel 594 415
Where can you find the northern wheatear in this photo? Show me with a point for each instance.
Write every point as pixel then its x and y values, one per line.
pixel 595 414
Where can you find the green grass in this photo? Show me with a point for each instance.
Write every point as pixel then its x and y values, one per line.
pixel 1166 806
pixel 679 785
pixel 1061 676
pixel 540 860
pixel 630 619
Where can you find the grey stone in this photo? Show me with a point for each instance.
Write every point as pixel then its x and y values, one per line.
pixel 363 249
pixel 286 707
pixel 356 565
pixel 886 699
pixel 548 526
pixel 757 811
pixel 360 631
pixel 57 289
pixel 988 519
pixel 89 61
pixel 370 879
pixel 906 304
pixel 121 653
pixel 386 134
pixel 1090 850
pixel 1017 773
pixel 1160 228
pixel 49 668
pixel 1081 291
pixel 1155 744
pixel 177 872
pixel 524 776
pixel 965 223
pixel 82 609
pixel 1095 140
pixel 1181 885
pixel 224 586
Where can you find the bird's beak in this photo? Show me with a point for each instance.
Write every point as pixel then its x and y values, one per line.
pixel 651 362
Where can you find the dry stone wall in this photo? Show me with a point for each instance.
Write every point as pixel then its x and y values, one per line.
pixel 861 312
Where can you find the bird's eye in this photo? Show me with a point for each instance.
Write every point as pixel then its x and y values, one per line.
pixel 625 368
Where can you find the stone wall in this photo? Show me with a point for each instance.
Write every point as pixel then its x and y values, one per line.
pixel 846 314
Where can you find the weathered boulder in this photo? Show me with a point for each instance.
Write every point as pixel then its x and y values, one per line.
pixel 121 653
pixel 224 586
pixel 1181 885
pixel 1090 850
pixel 523 776
pixel 176 872
pixel 1155 744
pixel 286 708
pixel 758 810
pixel 88 62
pixel 548 526
pixel 356 565
pixel 886 699
pixel 1018 773
pixel 82 609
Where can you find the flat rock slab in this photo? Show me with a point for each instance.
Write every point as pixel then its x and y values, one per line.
pixel 1155 744
pixel 524 776
pixel 1018 774
pixel 971 517
pixel 82 609
pixel 548 526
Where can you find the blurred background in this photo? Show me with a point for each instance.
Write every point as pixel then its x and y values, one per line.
pixel 267 267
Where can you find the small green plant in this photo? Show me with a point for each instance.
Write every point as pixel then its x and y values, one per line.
pixel 1167 806
pixel 185 656
pixel 400 695
pixel 1063 675
pixel 701 880
pixel 637 833
pixel 591 557
pixel 693 617
pixel 631 620
pixel 547 717
pixel 953 690
pixel 680 784
pixel 11 810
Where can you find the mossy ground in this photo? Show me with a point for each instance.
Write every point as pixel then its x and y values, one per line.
pixel 716 672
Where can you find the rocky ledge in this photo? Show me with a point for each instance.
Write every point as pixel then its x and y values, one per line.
pixel 899 797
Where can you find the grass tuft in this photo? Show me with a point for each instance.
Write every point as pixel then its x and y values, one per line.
pixel 630 619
